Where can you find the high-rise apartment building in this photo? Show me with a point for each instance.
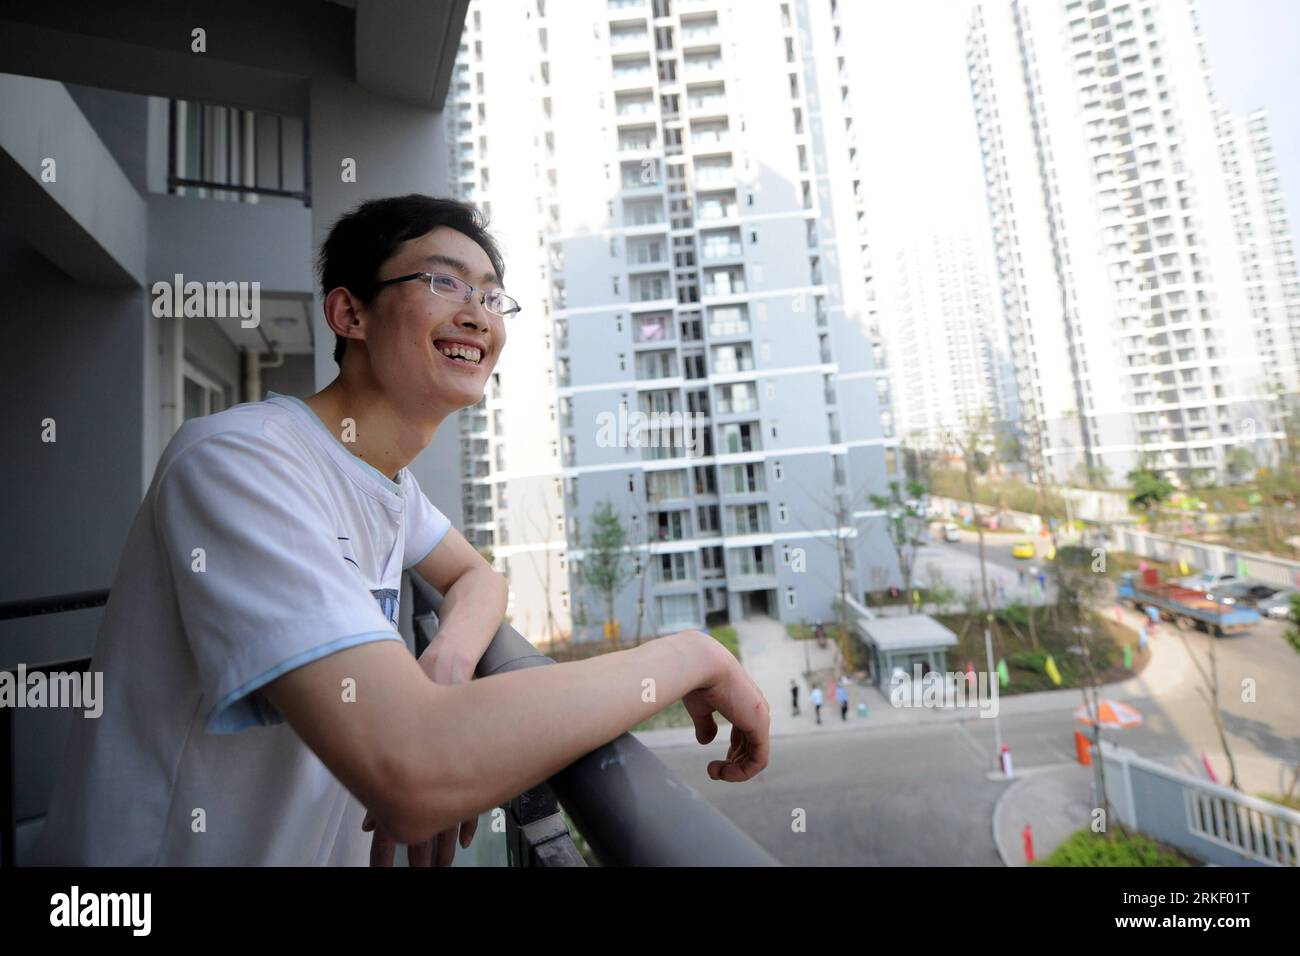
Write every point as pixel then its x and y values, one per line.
pixel 1115 235
pixel 945 342
pixel 677 184
pixel 1264 237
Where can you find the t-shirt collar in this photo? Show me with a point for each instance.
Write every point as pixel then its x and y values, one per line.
pixel 335 447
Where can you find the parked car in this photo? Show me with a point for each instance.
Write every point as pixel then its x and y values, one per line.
pixel 950 532
pixel 1278 605
pixel 1245 593
pixel 1022 549
pixel 1206 580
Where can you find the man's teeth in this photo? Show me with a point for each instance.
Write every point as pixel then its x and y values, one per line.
pixel 467 352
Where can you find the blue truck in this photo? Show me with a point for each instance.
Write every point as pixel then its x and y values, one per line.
pixel 1183 605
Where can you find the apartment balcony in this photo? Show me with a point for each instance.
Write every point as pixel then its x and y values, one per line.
pixel 702 68
pixel 700 36
pixel 629 80
pixel 707 107
pixel 714 177
pixel 722 251
pixel 624 41
pixel 758 581
pixel 725 287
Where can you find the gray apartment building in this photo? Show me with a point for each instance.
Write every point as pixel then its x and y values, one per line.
pixel 678 185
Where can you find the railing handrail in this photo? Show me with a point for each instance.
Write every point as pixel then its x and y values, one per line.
pixel 53 604
pixel 628 806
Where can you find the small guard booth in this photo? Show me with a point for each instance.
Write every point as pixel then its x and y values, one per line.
pixel 905 642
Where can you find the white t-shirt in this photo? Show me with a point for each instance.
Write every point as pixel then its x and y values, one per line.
pixel 262 544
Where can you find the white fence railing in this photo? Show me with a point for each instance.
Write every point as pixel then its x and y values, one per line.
pixel 1209 821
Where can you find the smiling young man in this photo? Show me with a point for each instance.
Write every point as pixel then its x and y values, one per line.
pixel 258 697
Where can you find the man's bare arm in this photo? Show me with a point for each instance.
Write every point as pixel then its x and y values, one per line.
pixel 474 604
pixel 423 757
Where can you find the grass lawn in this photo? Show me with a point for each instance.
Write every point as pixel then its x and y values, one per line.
pixel 1027 665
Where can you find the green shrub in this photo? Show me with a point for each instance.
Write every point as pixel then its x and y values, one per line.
pixel 1085 848
pixel 1035 661
pixel 726 636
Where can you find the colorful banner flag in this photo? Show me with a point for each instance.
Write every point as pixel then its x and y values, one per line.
pixel 1052 672
pixel 1004 675
pixel 1242 570
pixel 1142 637
pixel 1182 566
pixel 1128 657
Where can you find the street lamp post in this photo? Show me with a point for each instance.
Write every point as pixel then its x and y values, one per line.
pixel 997 721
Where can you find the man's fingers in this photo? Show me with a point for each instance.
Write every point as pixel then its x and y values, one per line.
pixel 446 847
pixel 420 854
pixel 706 728
pixel 382 849
pixel 467 831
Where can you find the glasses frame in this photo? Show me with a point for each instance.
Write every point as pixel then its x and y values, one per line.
pixel 482 293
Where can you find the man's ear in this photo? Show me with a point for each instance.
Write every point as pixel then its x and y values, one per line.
pixel 343 314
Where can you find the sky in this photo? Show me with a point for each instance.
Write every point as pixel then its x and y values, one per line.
pixel 910 82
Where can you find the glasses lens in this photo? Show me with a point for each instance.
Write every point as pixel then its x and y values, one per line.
pixel 500 303
pixel 449 287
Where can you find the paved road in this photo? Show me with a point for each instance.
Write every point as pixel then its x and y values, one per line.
pixel 917 793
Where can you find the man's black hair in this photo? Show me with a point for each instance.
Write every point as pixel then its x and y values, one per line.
pixel 367 237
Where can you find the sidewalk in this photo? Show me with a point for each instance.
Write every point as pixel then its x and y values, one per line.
pixel 772 658
pixel 1053 801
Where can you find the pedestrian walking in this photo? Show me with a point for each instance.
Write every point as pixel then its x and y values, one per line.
pixel 816 698
pixel 794 697
pixel 843 696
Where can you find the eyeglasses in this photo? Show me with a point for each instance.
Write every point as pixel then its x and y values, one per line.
pixel 458 290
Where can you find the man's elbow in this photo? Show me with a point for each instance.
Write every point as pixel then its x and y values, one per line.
pixel 418 801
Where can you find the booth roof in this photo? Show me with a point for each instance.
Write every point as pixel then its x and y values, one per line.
pixel 910 633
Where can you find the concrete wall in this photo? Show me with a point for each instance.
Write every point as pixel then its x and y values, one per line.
pixel 398 149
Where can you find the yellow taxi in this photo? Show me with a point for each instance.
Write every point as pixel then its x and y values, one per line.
pixel 1022 549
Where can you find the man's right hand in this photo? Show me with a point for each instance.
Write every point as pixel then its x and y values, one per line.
pixel 730 692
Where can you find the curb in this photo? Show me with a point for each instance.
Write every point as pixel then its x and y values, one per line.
pixel 1018 780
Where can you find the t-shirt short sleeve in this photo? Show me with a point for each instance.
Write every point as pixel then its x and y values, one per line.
pixel 425 524
pixel 261 586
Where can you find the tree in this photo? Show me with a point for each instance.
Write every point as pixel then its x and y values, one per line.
pixel 1150 492
pixel 1077 590
pixel 1241 464
pixel 905 522
pixel 644 573
pixel 543 574
pixel 839 508
pixel 966 442
pixel 1209 691
pixel 605 567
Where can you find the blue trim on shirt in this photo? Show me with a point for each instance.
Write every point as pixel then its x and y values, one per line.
pixel 437 539
pixel 241 709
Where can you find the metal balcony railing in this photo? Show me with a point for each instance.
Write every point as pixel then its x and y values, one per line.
pixel 230 153
pixel 625 803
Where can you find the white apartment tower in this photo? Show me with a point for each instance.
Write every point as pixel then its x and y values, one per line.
pixel 1264 237
pixel 946 343
pixel 1121 277
pixel 678 186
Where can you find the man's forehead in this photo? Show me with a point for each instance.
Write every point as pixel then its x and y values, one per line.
pixel 465 258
